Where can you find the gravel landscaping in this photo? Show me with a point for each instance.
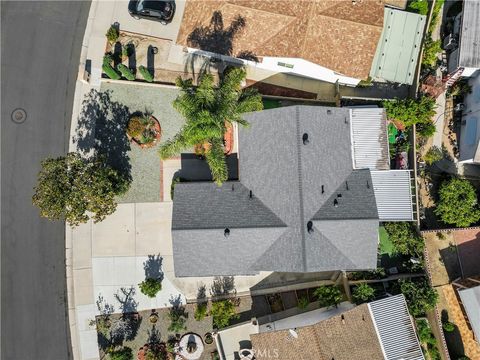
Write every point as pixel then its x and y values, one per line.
pixel 145 163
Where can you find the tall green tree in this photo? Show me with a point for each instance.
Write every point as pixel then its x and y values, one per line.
pixel 75 189
pixel 458 203
pixel 411 111
pixel 405 238
pixel 420 296
pixel 207 109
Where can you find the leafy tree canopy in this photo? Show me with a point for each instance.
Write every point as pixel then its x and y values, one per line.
pixel 405 238
pixel 419 295
pixel 458 203
pixel 328 296
pixel 433 155
pixel 207 110
pixel 411 111
pixel 75 189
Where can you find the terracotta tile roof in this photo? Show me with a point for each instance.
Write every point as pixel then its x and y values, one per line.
pixel 336 34
pixel 326 340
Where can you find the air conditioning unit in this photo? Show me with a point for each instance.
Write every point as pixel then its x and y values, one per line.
pixel 450 43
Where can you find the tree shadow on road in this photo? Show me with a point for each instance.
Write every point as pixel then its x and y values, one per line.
pixel 101 131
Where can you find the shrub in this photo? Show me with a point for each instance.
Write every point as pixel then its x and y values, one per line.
pixel 177 318
pixel 430 51
pixel 411 111
pixel 200 311
pixel 418 6
pixel 150 287
pixel 135 126
pixel 377 274
pixel 448 326
pixel 426 129
pixel 147 76
pixel 458 203
pixel 303 302
pixel 175 181
pixel 123 354
pixel 108 69
pixel 405 239
pixel 363 293
pixel 222 312
pixel 328 296
pixel 433 155
pixel 112 34
pixel 419 295
pixel 126 72
pixel 460 88
pixel 77 189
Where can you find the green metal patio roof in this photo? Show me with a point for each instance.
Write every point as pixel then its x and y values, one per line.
pixel 398 48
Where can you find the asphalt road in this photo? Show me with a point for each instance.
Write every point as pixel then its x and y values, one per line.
pixel 40 50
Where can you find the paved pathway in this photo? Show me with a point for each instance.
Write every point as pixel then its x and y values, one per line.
pixel 41 44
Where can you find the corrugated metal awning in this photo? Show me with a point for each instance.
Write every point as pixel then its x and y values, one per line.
pixel 370 139
pixel 395 329
pixel 393 194
pixel 471 302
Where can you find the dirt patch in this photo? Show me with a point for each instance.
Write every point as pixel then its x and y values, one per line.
pixel 443 263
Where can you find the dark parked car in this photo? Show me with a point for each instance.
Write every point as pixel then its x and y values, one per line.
pixel 159 10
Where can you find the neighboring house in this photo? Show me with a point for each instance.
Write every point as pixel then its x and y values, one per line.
pixel 382 329
pixel 330 40
pixel 463 44
pixel 471 303
pixel 314 183
pixel 399 47
pixel 469 145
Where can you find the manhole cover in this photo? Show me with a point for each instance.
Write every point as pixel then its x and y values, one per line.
pixel 19 116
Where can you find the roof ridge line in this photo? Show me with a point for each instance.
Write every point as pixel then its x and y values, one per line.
pixel 300 189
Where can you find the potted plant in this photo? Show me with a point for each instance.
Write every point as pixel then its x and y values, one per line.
pixel 208 338
pixel 144 130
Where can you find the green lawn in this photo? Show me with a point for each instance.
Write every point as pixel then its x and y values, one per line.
pixel 386 246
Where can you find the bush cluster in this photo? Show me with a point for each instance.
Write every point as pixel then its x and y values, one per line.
pixel 405 238
pixel 328 296
pixel 147 76
pixel 126 72
pixel 108 68
pixel 200 311
pixel 150 287
pixel 420 296
pixel 433 155
pixel 222 312
pixel 112 34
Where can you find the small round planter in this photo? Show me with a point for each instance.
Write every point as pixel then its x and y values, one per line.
pixel 156 131
pixel 153 318
pixel 208 338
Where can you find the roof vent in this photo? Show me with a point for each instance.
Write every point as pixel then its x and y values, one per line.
pixel 368 185
pixel 323 189
pixel 310 227
pixel 226 233
pixel 346 185
pixel 339 195
pixel 335 203
pixel 233 187
pixel 250 195
pixel 329 112
pixel 305 139
pixel 346 121
pixel 343 319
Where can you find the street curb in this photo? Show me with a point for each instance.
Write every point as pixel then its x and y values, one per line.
pixel 72 317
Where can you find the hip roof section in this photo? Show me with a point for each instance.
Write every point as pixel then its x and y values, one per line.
pixel 338 34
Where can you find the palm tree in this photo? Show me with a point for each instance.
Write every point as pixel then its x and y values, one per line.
pixel 208 111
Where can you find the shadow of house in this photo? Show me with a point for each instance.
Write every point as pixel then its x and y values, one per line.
pixel 216 37
pixel 101 131
pixel 195 168
pixel 153 267
pixel 449 258
pixel 468 254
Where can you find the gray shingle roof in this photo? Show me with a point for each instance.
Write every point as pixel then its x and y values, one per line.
pixel 292 183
